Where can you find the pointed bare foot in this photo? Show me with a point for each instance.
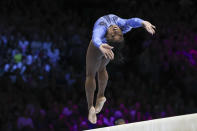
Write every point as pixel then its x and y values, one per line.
pixel 92 115
pixel 99 104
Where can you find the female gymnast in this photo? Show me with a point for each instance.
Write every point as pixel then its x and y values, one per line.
pixel 107 40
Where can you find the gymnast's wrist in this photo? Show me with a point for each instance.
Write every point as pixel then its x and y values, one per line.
pixel 143 23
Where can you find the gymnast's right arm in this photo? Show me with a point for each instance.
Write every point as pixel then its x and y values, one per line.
pixel 99 32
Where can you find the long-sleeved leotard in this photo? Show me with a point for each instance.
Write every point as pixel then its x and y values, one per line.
pixel 102 24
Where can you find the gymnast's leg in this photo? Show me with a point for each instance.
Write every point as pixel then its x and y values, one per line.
pixel 102 83
pixel 90 86
pixel 93 61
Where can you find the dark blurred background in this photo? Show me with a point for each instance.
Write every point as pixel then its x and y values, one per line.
pixel 42 63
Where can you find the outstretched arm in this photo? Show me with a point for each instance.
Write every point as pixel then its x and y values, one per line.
pixel 127 24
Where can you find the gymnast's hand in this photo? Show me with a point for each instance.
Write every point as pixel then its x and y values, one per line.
pixel 149 27
pixel 107 51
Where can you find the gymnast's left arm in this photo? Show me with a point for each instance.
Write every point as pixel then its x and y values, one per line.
pixel 137 22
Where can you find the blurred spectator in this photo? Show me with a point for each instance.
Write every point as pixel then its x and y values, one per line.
pixel 119 122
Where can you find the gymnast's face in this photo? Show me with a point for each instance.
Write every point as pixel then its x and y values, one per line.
pixel 114 34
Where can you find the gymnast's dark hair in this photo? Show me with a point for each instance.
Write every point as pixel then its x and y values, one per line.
pixel 118 56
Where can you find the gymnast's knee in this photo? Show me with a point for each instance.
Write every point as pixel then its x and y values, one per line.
pixel 90 75
pixel 103 73
pixel 90 78
pixel 90 81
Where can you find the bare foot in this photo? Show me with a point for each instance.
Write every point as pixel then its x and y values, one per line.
pixel 99 104
pixel 92 115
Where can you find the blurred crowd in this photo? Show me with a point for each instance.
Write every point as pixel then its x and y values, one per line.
pixel 42 64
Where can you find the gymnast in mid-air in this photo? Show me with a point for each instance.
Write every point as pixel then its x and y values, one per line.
pixel 105 45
